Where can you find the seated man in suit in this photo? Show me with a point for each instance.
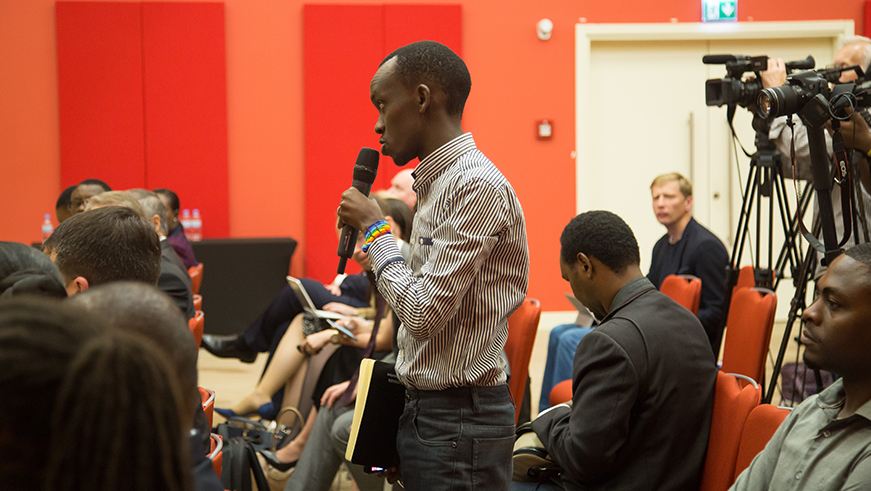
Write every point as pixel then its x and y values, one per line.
pixel 643 379
pixel 83 192
pixel 689 248
pixel 825 442
pixel 174 279
pixel 104 245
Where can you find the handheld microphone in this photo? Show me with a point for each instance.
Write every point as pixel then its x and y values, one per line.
pixel 365 170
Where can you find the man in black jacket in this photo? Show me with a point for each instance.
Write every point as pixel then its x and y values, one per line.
pixel 643 380
pixel 689 248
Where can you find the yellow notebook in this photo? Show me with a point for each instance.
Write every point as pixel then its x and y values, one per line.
pixel 380 401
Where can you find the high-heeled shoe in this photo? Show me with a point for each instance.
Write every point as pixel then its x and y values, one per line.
pixel 266 411
pixel 272 460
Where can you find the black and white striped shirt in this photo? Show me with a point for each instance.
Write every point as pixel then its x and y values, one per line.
pixel 469 271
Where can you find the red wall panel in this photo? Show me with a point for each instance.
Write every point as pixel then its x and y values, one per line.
pixel 343 46
pixel 186 107
pixel 342 49
pixel 100 93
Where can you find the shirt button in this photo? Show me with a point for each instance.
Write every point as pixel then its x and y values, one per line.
pixel 798 475
pixel 827 433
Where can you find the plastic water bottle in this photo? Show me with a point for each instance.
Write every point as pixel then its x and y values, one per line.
pixel 186 222
pixel 196 227
pixel 47 227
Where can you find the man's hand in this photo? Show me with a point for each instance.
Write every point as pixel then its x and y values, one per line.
pixel 334 392
pixel 392 474
pixel 358 210
pixel 856 132
pixel 775 75
pixel 314 343
pixel 340 308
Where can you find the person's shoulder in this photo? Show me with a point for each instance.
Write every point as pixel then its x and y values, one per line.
pixel 703 236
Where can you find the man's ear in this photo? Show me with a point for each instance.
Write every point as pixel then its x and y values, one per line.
pixel 78 285
pixel 424 98
pixel 584 265
pixel 155 221
pixel 689 203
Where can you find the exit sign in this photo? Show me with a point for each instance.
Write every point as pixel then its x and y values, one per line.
pixel 719 10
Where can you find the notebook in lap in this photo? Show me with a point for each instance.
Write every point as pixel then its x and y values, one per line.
pixel 585 319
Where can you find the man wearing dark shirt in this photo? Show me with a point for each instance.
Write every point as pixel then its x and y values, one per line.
pixel 689 248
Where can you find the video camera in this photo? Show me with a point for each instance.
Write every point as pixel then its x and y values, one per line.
pixel 731 89
pixel 791 97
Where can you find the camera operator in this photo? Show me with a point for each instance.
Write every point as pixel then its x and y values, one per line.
pixel 855 50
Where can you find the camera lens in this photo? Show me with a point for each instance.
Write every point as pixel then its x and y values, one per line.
pixel 779 101
pixel 763 104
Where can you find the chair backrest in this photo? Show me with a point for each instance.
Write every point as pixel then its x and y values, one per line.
pixel 760 426
pixel 561 392
pixel 208 397
pixel 196 273
pixel 198 302
pixel 216 453
pixel 745 279
pixel 748 331
pixel 732 404
pixel 684 289
pixel 522 327
pixel 196 324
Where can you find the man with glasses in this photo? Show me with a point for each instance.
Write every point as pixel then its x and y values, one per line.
pixel 83 192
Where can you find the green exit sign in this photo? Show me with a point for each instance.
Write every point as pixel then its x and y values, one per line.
pixel 719 10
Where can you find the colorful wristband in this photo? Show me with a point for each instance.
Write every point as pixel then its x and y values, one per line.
pixel 374 231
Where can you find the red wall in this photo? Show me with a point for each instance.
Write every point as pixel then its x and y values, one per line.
pixel 516 80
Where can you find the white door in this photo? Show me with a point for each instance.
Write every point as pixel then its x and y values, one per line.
pixel 641 112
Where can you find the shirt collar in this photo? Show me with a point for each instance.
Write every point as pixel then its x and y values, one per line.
pixel 629 291
pixel 832 400
pixel 440 160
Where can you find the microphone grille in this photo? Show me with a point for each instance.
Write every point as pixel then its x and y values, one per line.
pixel 366 167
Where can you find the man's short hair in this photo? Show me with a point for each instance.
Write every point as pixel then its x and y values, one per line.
pixel 95 182
pixel 602 235
pixel 116 198
pixel 63 201
pixel 865 61
pixel 862 254
pixel 428 62
pixel 174 203
pixel 684 184
pixel 27 271
pixel 147 311
pixel 153 206
pixel 108 244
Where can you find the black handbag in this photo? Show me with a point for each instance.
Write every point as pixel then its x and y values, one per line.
pixel 259 435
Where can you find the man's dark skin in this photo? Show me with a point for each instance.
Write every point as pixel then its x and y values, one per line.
pixel 413 122
pixel 837 336
pixel 80 196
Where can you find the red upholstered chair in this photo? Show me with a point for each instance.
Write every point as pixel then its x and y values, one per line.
pixel 216 453
pixel 196 273
pixel 732 404
pixel 198 302
pixel 522 326
pixel 745 279
pixel 684 289
pixel 561 392
pixel 208 397
pixel 196 324
pixel 748 331
pixel 760 426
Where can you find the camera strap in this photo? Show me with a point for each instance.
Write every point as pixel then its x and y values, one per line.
pixel 843 179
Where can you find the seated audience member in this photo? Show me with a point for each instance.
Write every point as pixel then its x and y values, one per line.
pixel 146 311
pixel 174 279
pixel 26 271
pixel 825 442
pixel 86 408
pixel 347 295
pixel 83 192
pixel 324 450
pixel 104 245
pixel 400 188
pixel 643 380
pixel 175 231
pixel 62 206
pixel 689 248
